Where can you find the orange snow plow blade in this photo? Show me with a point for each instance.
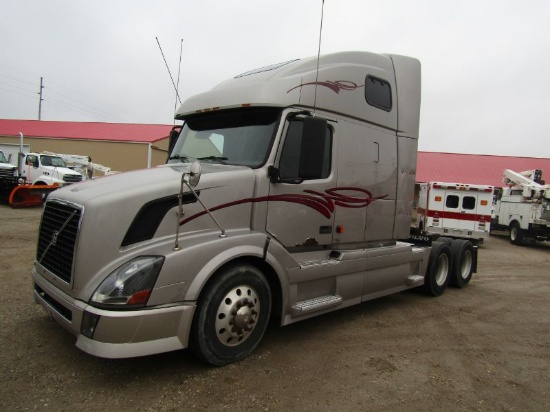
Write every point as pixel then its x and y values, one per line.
pixel 29 195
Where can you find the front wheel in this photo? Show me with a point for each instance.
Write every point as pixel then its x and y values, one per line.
pixel 439 268
pixel 232 315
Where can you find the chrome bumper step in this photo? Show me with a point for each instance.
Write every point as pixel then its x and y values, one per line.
pixel 312 305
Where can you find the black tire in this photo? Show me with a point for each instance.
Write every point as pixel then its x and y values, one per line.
pixel 516 234
pixel 462 252
pixel 231 316
pixel 439 269
pixel 446 240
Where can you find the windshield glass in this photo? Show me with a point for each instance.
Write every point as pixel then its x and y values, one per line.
pixel 52 161
pixel 2 158
pixel 236 137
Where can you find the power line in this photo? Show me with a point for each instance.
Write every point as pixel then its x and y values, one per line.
pixel 19 93
pixel 65 100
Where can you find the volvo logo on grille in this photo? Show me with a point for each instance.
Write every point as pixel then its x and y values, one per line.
pixel 54 237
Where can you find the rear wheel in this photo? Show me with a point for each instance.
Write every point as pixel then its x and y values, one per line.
pixel 232 315
pixel 462 252
pixel 446 240
pixel 516 233
pixel 439 268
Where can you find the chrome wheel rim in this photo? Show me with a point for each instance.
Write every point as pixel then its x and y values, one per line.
pixel 442 270
pixel 237 315
pixel 466 266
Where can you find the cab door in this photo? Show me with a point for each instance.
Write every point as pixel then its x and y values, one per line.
pixel 300 209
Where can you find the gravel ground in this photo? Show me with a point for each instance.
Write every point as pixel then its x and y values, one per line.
pixel 484 348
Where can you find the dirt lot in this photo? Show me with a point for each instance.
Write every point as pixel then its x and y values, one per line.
pixel 484 348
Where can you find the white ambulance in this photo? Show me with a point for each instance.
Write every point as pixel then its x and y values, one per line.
pixel 455 210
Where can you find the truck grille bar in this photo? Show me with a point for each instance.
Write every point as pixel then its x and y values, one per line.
pixel 57 239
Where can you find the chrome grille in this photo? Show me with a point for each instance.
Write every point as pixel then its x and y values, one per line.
pixel 7 172
pixel 72 178
pixel 57 238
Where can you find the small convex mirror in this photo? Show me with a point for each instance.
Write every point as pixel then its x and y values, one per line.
pixel 194 174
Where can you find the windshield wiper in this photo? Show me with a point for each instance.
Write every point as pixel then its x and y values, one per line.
pixel 217 158
pixel 183 159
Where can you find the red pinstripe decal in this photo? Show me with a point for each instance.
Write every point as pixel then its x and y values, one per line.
pixel 323 203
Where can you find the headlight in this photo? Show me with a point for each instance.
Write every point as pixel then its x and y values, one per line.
pixel 130 285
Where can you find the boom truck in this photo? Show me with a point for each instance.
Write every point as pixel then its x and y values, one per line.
pixel 523 207
pixel 285 196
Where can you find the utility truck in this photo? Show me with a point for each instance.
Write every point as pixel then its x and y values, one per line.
pixel 285 196
pixel 455 210
pixel 48 169
pixel 523 207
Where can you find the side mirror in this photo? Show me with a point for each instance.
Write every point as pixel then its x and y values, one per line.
pixel 312 151
pixel 194 174
pixel 173 138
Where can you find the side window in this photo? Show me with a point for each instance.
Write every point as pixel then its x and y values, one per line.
pixel 32 161
pixel 378 93
pixel 469 203
pixel 451 202
pixel 289 164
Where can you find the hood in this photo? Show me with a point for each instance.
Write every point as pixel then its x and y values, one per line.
pixel 60 170
pixel 146 184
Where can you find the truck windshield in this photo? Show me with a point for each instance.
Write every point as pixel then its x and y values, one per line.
pixel 237 137
pixel 52 161
pixel 3 158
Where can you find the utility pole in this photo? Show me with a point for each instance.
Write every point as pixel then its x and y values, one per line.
pixel 40 101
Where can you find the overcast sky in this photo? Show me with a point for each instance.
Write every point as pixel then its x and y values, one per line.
pixel 485 63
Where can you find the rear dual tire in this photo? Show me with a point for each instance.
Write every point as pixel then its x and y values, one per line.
pixel 439 269
pixel 462 252
pixel 451 263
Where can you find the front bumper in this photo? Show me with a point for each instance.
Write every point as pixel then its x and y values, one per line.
pixel 118 334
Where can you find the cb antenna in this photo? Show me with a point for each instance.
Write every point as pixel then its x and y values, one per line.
pixel 169 73
pixel 178 83
pixel 318 57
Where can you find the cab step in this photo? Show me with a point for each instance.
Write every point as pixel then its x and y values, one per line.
pixel 312 305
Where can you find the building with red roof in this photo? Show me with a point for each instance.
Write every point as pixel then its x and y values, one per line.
pixel 474 169
pixel 120 146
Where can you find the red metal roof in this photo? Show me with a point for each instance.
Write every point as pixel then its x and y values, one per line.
pixel 118 132
pixel 474 169
pixel 432 166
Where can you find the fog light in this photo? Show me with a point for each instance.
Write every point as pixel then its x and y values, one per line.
pixel 89 323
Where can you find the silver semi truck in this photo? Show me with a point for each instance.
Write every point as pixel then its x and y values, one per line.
pixel 284 197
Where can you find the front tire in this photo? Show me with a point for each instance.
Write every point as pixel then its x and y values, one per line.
pixel 231 316
pixel 439 268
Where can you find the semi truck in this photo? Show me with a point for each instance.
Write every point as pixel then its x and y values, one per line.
pixel 455 210
pixel 287 194
pixel 523 207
